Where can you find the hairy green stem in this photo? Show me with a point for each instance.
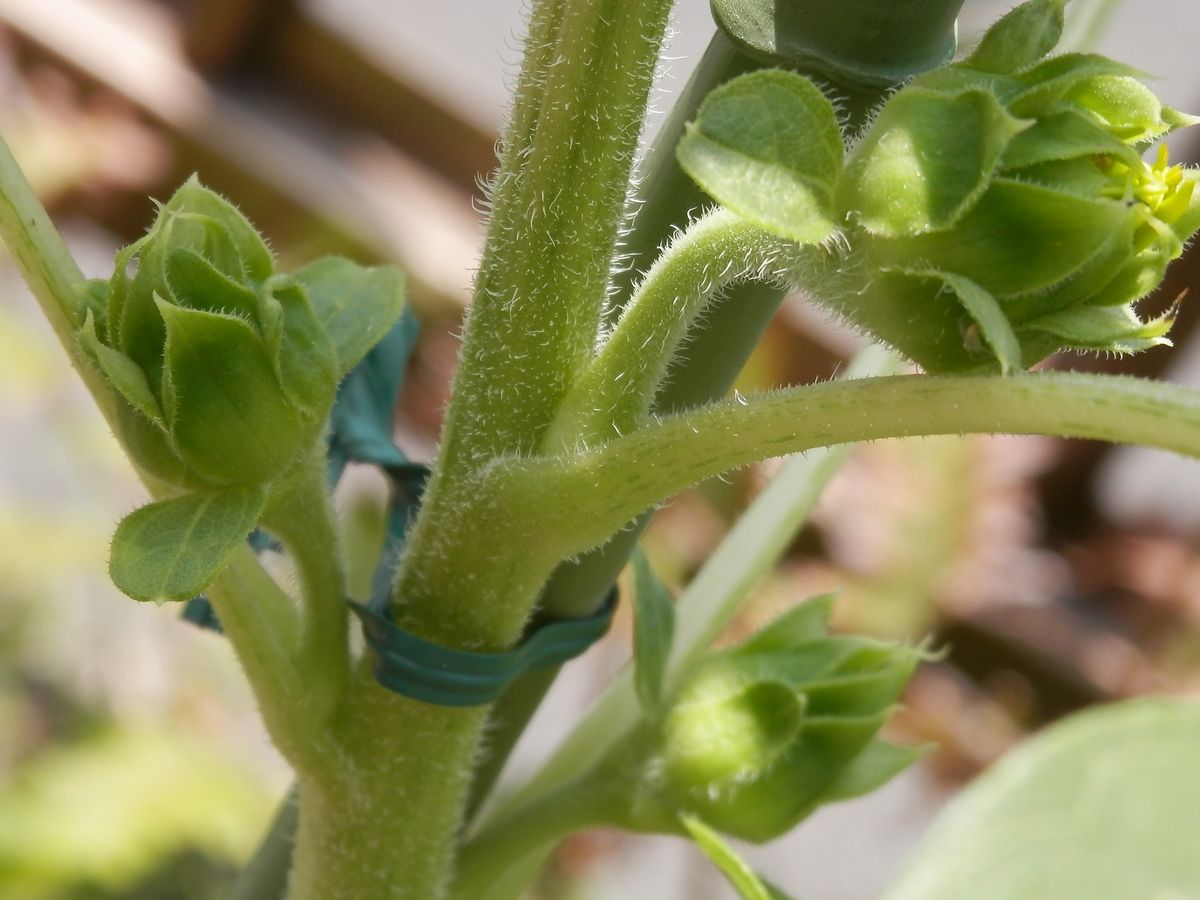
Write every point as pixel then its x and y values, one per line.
pixel 300 513
pixel 614 395
pixel 557 206
pixel 262 625
pixel 485 865
pixel 50 271
pixel 610 485
pixel 558 202
pixel 380 818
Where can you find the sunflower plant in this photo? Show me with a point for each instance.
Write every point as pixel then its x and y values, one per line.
pixel 975 216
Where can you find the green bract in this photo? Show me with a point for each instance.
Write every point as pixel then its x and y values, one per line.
pixel 227 370
pixel 760 735
pixel 995 210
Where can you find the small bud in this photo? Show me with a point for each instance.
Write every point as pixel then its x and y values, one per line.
pixel 227 373
pixel 1000 210
pixel 760 735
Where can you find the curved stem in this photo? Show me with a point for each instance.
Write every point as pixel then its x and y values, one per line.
pixel 610 485
pixel 754 545
pixel 488 863
pixel 261 624
pixel 300 512
pixel 616 391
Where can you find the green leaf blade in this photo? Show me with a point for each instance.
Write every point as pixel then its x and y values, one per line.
pixel 927 158
pixel 355 305
pixel 173 549
pixel 768 146
pixel 654 629
pixel 877 764
pixel 1020 38
pixel 225 407
pixel 1101 806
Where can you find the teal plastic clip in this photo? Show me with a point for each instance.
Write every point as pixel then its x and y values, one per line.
pixel 414 667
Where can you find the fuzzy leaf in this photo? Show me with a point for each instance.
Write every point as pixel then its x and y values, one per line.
pixel 121 372
pixel 877 764
pixel 926 159
pixel 225 408
pixel 1130 109
pixel 1069 134
pixel 173 549
pixel 1020 38
pixel 1116 329
pixel 654 628
pixel 218 230
pixel 804 622
pixel 1101 806
pixel 740 876
pixel 988 316
pixel 197 283
pixel 1019 238
pixel 767 146
pixel 1049 82
pixel 304 356
pixel 355 305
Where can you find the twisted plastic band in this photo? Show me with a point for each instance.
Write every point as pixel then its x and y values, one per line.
pixel 414 667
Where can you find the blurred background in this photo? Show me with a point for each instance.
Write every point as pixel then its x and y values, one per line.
pixel 132 764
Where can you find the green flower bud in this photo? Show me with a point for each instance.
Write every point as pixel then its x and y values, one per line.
pixel 226 371
pixel 760 735
pixel 999 209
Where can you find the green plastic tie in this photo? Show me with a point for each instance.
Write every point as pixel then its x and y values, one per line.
pixel 422 670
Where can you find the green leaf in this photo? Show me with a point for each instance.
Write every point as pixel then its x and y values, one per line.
pixel 988 316
pixel 173 549
pixel 804 622
pixel 1019 238
pixel 225 408
pixel 1069 134
pixel 653 631
pixel 304 356
pixel 767 146
pixel 1130 109
pixel 1101 806
pixel 856 42
pixel 355 305
pixel 926 159
pixel 121 372
pixel 1115 329
pixel 877 764
pixel 197 283
pixel 1020 38
pixel 1049 82
pixel 735 869
pixel 218 230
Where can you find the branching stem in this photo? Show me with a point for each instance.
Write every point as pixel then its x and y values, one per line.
pixel 616 391
pixel 611 484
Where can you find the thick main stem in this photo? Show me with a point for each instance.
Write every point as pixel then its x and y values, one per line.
pixel 467 578
pixel 380 821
